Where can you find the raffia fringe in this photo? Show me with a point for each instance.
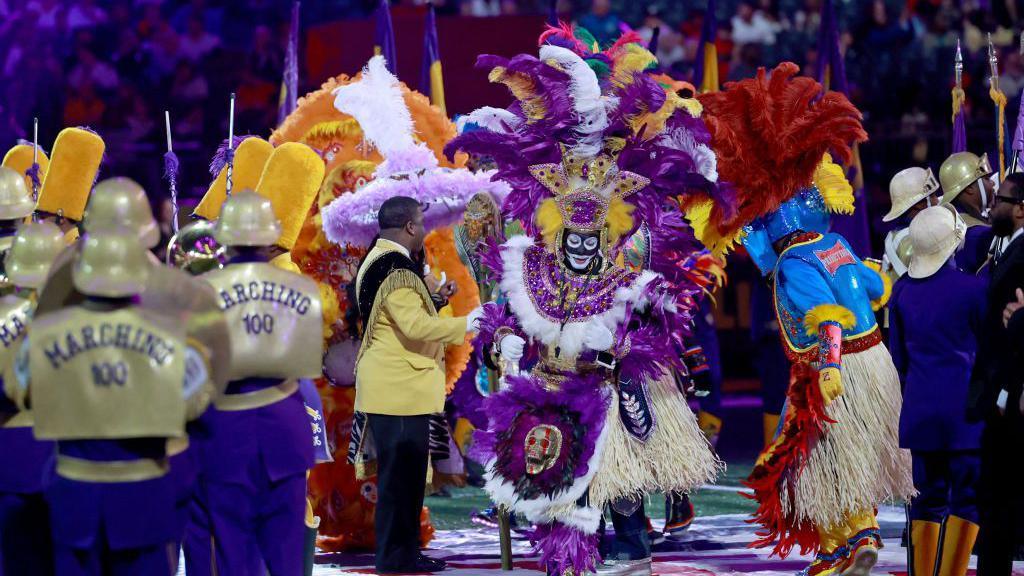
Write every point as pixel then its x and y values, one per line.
pixel 677 456
pixel 857 463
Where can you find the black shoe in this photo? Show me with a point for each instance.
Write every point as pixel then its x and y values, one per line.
pixel 420 565
pixel 428 564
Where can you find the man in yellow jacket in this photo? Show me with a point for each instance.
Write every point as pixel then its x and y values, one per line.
pixel 400 377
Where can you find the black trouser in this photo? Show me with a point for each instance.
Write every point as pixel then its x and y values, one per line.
pixel 631 541
pixel 401 443
pixel 1001 503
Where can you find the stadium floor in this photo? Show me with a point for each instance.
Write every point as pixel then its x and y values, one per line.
pixel 716 543
pixel 713 545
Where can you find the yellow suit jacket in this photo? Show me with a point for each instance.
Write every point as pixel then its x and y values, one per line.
pixel 400 371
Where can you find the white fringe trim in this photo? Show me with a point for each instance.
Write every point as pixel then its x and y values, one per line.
pixel 561 506
pixel 857 464
pixel 677 456
pixel 541 329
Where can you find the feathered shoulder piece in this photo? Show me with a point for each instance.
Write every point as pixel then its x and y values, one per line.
pixel 770 134
pixel 573 99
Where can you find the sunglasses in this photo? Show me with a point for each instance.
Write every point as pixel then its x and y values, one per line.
pixel 1008 199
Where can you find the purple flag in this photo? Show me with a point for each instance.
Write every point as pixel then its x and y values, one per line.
pixel 384 39
pixel 431 83
pixel 1018 133
pixel 960 133
pixel 831 72
pixel 705 79
pixel 290 82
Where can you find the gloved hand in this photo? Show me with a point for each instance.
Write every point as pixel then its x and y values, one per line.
pixel 830 382
pixel 473 319
pixel 598 337
pixel 511 348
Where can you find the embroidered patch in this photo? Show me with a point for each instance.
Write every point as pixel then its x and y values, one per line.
pixel 835 257
pixel 635 409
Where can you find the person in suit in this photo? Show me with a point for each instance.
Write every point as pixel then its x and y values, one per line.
pixel 935 320
pixel 400 378
pixel 996 391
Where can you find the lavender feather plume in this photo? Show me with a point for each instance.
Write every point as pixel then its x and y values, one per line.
pixel 562 547
pixel 221 156
pixel 171 165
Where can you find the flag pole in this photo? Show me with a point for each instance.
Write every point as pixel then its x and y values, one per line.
pixel 33 171
pixel 999 99
pixel 231 147
pixel 171 173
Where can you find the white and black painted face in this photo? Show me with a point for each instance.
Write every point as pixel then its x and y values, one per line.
pixel 581 250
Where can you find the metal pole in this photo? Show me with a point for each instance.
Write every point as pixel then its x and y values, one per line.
pixel 231 146
pixel 35 157
pixel 171 177
pixel 505 538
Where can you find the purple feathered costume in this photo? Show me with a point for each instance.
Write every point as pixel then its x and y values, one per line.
pixel 583 428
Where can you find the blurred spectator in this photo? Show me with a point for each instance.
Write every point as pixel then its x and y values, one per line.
pixel 165 48
pixel 481 8
pixel 140 121
pixel 752 26
pixel 152 21
pixel 211 17
pixel 84 107
pixel 130 58
pixel 1011 79
pixel 50 15
pixel 602 22
pixel 747 64
pixel 670 49
pixel 197 43
pixel 266 58
pixel 93 71
pixel 188 86
pixel 85 14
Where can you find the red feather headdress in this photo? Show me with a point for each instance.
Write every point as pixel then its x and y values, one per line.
pixel 770 133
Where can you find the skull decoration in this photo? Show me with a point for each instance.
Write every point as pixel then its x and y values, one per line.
pixel 543 445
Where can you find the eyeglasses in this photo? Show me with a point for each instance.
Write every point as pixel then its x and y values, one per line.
pixel 1008 199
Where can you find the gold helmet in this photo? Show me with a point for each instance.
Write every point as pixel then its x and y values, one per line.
pixel 291 180
pixel 908 187
pixel 122 202
pixel 15 199
pixel 195 249
pixel 19 158
pixel 247 219
pixel 35 247
pixel 250 157
pixel 111 263
pixel 961 170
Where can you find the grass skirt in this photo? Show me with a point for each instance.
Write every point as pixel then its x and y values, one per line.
pixel 857 463
pixel 677 456
pixel 832 462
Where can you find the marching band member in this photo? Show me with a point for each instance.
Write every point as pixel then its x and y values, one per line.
pixel 110 382
pixel 255 460
pixel 26 464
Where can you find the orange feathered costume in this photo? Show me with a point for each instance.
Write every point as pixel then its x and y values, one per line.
pixel 344 503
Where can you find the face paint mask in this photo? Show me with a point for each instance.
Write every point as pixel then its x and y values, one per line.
pixel 581 249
